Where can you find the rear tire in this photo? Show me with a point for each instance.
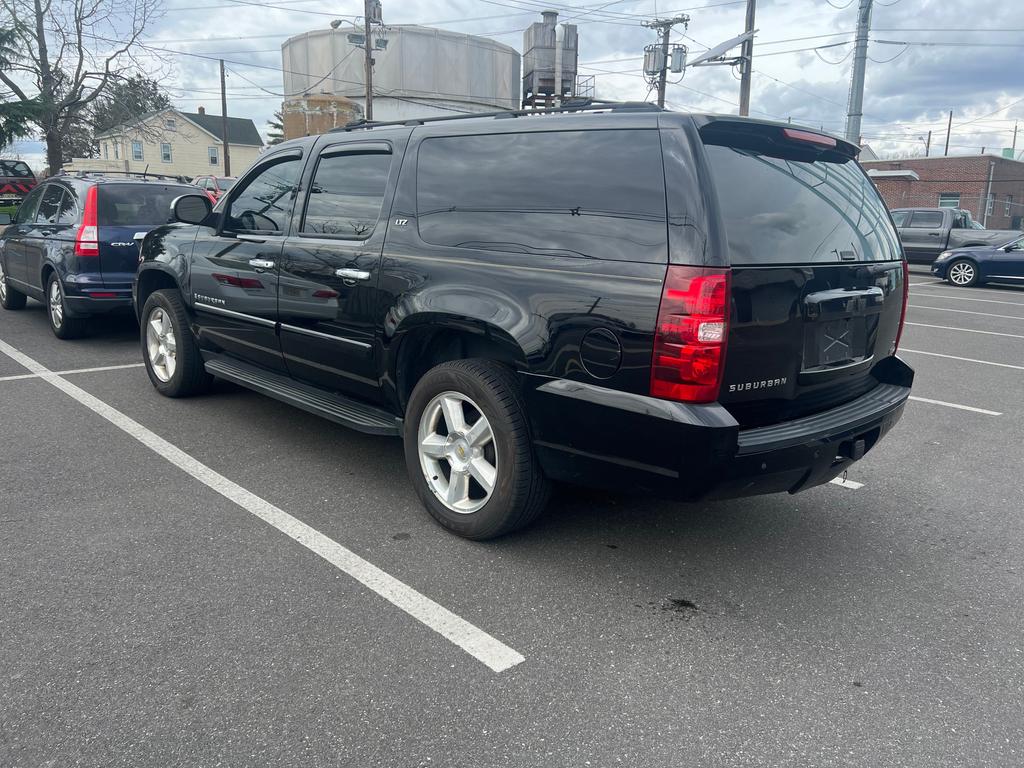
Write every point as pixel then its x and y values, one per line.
pixel 169 348
pixel 963 273
pixel 64 326
pixel 468 450
pixel 9 297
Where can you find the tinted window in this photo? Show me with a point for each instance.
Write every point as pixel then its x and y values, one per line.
pixel 265 202
pixel 68 210
pixel 899 217
pixel 598 194
pixel 225 184
pixel 926 220
pixel 50 207
pixel 346 195
pixel 29 206
pixel 780 211
pixel 130 205
pixel 15 168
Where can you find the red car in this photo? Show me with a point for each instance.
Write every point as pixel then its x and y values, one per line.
pixel 214 186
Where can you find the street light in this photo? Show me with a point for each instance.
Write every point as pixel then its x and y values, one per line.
pixel 371 14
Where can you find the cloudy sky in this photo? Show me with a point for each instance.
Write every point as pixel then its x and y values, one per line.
pixel 925 57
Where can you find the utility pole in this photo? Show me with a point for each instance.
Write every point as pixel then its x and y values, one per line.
pixel 747 66
pixel 224 121
pixel 663 75
pixel 949 128
pixel 860 58
pixel 928 144
pixel 1013 152
pixel 664 26
pixel 368 46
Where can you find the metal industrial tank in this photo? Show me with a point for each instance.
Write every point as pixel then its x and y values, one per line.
pixel 418 71
pixel 550 61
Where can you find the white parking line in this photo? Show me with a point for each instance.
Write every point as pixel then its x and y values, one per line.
pixel 76 370
pixel 934 295
pixel 851 484
pixel 966 312
pixel 967 330
pixel 915 285
pixel 959 407
pixel 457 630
pixel 964 359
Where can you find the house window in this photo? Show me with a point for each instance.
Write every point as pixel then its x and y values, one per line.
pixel 171 124
pixel 988 205
pixel 117 150
pixel 1009 202
pixel 136 150
pixel 105 154
pixel 165 153
pixel 214 155
pixel 949 200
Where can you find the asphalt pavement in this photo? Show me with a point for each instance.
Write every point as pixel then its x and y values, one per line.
pixel 163 601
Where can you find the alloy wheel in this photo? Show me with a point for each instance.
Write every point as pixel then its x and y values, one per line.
pixel 457 452
pixel 961 273
pixel 161 345
pixel 3 284
pixel 56 304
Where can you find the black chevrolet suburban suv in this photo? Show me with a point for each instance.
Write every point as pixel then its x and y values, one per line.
pixel 622 297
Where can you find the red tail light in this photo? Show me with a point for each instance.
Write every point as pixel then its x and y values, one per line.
pixel 690 337
pixel 87 240
pixel 903 309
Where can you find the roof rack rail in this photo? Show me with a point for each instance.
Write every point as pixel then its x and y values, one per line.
pixel 581 105
pixel 84 173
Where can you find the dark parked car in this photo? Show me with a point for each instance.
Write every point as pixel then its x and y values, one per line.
pixel 927 232
pixel 965 267
pixel 72 245
pixel 686 304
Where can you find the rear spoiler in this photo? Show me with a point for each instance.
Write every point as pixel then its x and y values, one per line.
pixel 777 139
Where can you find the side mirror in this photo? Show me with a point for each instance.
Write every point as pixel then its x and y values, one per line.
pixel 190 209
pixel 5 219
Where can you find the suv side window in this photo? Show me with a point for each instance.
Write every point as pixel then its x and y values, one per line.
pixel 264 204
pixel 591 194
pixel 346 195
pixel 68 212
pixel 899 218
pixel 50 207
pixel 926 220
pixel 29 206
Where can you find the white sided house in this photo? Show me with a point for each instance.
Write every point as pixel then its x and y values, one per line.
pixel 175 143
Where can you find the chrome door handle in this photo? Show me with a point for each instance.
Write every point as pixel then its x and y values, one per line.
pixel 352 274
pixel 261 263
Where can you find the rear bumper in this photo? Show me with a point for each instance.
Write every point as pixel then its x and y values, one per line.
pixel 92 293
pixel 592 436
pixel 99 305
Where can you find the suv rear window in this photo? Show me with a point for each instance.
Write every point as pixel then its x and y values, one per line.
pixel 129 205
pixel 596 194
pixel 786 211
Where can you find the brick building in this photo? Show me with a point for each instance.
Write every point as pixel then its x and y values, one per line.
pixel 955 182
pixel 317 113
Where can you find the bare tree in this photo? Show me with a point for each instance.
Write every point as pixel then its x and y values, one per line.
pixel 71 52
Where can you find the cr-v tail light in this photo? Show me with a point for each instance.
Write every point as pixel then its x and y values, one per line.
pixel 87 239
pixel 903 309
pixel 691 334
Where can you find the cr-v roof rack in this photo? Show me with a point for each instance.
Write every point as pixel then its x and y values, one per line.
pixel 84 173
pixel 583 105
